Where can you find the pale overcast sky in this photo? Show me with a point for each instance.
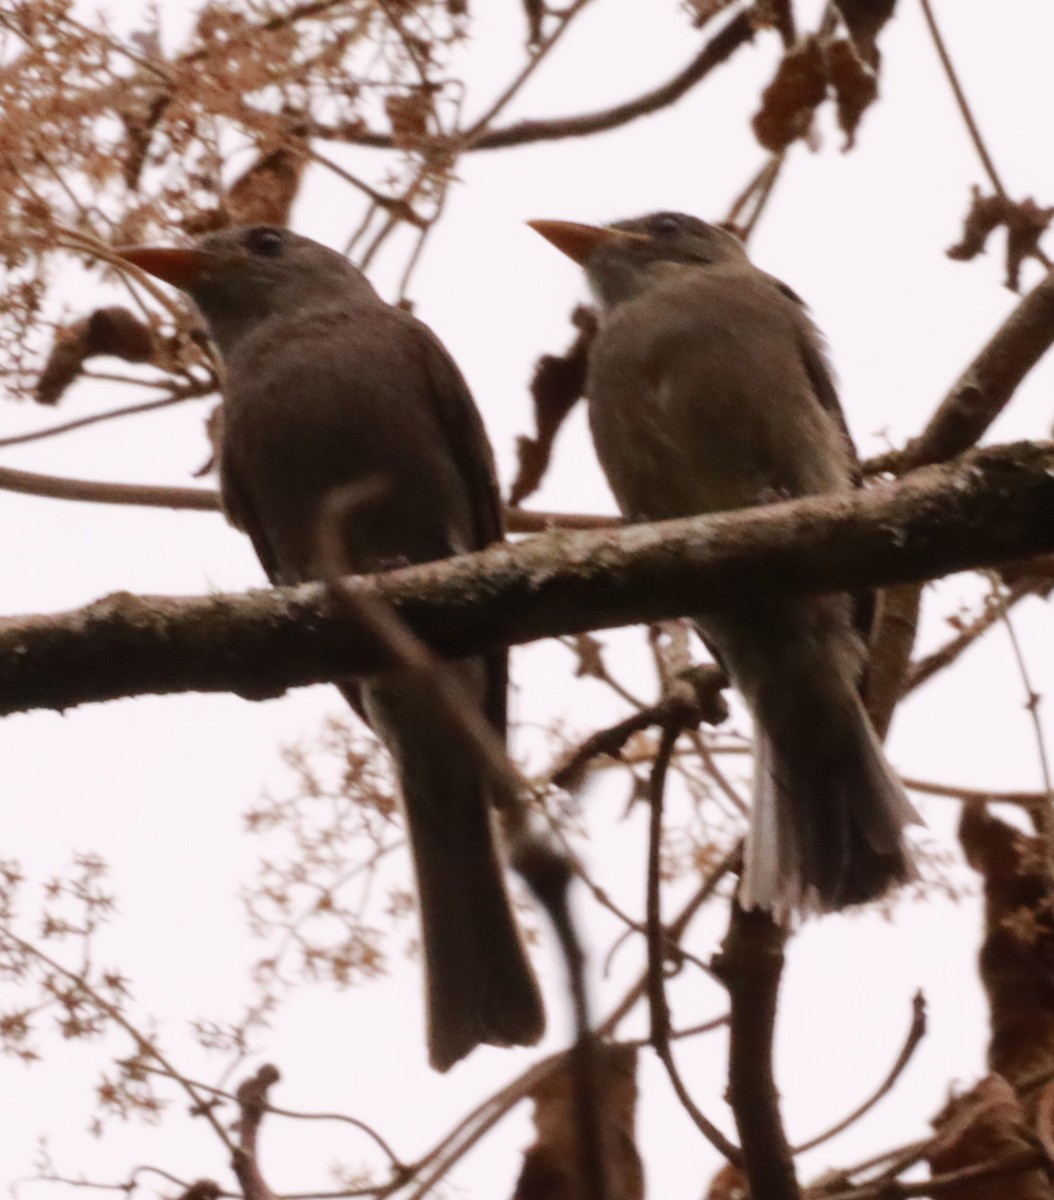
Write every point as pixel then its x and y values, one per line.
pixel 158 786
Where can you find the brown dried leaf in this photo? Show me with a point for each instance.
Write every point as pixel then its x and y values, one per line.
pixel 864 20
pixel 203 1189
pixel 1026 224
pixel 855 86
pixel 1017 955
pixel 208 220
pixel 113 331
pixel 534 11
pixel 729 1184
pixel 789 101
pixel 986 214
pixel 264 195
pixel 145 101
pixel 987 1123
pixel 590 653
pixel 409 114
pixel 552 1167
pixel 118 332
pixel 558 383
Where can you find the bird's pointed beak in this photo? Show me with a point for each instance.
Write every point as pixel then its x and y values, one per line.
pixel 181 268
pixel 581 242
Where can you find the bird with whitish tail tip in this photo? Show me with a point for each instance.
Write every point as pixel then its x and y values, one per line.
pixel 325 386
pixel 708 390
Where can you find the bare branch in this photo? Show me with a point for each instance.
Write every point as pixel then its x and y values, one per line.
pixel 890 653
pixel 717 50
pixel 1019 799
pixel 990 507
pixel 994 610
pixel 703 687
pixel 252 1105
pixel 1005 1167
pixel 984 388
pixel 960 98
pixel 1041 814
pixel 55 487
pixel 658 946
pixel 750 965
pixel 916 1032
pixel 177 396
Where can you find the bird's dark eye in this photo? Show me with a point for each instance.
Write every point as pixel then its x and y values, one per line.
pixel 666 225
pixel 265 242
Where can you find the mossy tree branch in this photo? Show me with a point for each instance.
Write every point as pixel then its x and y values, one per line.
pixel 988 507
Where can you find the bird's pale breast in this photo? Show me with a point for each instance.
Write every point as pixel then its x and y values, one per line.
pixel 700 400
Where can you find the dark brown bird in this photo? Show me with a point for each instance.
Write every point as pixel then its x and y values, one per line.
pixel 709 390
pixel 326 386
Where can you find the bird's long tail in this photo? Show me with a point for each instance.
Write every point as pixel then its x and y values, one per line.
pixel 826 829
pixel 480 986
pixel 827 823
pixel 479 982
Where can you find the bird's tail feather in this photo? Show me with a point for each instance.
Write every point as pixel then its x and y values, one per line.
pixel 827 823
pixel 479 983
pixel 478 979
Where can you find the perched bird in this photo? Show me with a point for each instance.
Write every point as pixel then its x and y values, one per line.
pixel 708 390
pixel 325 386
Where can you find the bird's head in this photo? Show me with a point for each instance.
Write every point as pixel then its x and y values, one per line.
pixel 621 258
pixel 239 277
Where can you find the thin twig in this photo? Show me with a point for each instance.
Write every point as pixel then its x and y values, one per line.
pixel 419 245
pixel 900 1157
pixel 950 1181
pixel 1042 815
pixel 916 1032
pixel 694 697
pixel 292 1114
pixel 960 99
pixel 482 123
pixel 420 64
pixel 389 203
pixel 716 51
pixel 748 193
pixel 477 1123
pixel 199 1104
pixel 984 389
pixel 589 652
pixel 889 653
pixel 996 606
pixel 56 487
pixel 177 396
pixel 84 243
pixel 1026 800
pixel 197 499
pixel 764 195
pixel 724 784
pixel 658 950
